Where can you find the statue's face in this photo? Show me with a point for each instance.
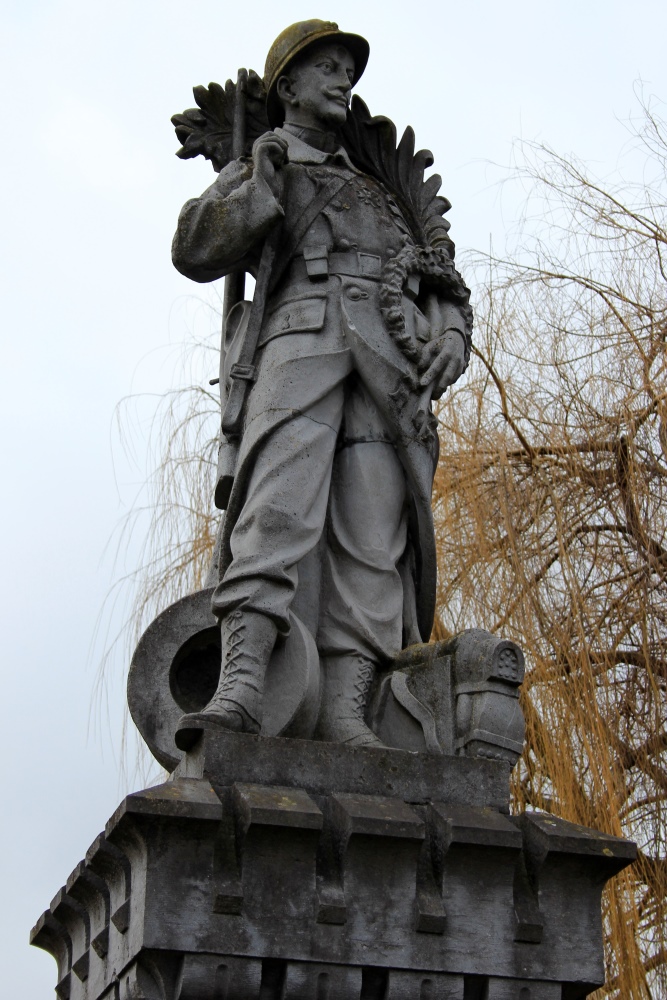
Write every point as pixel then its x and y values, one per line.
pixel 316 90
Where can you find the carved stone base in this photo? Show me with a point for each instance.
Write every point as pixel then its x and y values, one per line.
pixel 458 697
pixel 277 868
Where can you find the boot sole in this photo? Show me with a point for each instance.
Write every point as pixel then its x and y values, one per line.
pixel 192 726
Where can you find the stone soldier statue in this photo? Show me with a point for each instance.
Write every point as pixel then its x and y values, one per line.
pixel 243 876
pixel 359 319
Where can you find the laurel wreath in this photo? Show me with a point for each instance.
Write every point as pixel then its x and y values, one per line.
pixel 435 268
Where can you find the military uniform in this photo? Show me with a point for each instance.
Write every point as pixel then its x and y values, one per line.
pixel 329 459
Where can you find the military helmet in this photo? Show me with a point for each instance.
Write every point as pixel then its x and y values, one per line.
pixel 296 39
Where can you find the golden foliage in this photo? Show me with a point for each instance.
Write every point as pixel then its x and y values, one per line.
pixel 551 513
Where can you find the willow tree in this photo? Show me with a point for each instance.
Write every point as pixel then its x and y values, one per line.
pixel 551 511
pixel 550 508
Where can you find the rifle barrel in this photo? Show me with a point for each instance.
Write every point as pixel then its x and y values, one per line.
pixel 235 282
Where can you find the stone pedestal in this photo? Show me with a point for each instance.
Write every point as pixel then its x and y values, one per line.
pixel 270 868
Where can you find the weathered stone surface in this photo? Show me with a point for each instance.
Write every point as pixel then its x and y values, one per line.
pixel 273 888
pixel 359 846
pixel 321 768
pixel 454 697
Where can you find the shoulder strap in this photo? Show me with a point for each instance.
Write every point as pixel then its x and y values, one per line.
pixel 276 255
pixel 292 239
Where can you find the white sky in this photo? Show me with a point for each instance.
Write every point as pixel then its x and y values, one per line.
pixel 92 308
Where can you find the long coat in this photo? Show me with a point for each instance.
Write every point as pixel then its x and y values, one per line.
pixel 322 326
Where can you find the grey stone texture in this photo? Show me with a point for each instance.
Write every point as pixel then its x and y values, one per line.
pixel 357 873
pixel 336 825
pixel 328 447
pixel 455 697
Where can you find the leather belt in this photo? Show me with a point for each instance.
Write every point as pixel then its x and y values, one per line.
pixel 318 263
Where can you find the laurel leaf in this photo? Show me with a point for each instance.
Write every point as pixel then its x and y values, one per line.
pixel 370 141
pixel 405 156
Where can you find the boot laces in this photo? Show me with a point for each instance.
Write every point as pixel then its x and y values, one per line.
pixel 362 684
pixel 234 628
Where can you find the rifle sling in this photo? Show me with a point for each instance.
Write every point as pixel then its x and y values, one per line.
pixel 273 264
pixel 303 224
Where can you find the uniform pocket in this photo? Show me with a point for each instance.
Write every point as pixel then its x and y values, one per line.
pixel 297 316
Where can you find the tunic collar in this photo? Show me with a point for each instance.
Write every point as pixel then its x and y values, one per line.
pixel 326 141
pixel 301 152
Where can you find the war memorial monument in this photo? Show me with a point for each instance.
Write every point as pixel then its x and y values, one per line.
pixel 336 822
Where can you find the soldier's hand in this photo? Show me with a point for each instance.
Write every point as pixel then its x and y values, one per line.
pixel 443 360
pixel 269 153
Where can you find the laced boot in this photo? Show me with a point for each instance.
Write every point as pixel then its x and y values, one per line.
pixel 347 684
pixel 247 643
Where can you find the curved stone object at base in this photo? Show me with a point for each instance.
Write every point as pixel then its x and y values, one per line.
pixel 176 666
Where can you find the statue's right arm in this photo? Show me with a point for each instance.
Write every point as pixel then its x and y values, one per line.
pixel 225 228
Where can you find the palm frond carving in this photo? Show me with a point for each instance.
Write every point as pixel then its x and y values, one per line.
pixel 371 145
pixel 208 129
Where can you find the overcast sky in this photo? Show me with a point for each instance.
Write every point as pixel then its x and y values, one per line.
pixel 92 308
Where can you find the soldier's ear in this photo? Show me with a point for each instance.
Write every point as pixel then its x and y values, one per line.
pixel 286 91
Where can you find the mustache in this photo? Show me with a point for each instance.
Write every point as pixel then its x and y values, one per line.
pixel 337 95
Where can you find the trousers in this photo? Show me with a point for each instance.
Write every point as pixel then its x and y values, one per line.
pixel 325 515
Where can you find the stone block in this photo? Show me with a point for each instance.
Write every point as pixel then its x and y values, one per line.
pixel 314 981
pixel 404 985
pixel 522 989
pixel 375 890
pixel 209 977
pixel 323 768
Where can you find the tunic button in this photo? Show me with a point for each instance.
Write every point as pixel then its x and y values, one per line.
pixel 355 293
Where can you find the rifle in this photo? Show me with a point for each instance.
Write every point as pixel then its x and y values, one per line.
pixel 222 128
pixel 234 292
pixel 235 282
